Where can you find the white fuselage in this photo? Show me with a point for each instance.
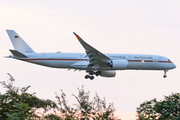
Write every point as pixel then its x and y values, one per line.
pixel 81 61
pixel 92 61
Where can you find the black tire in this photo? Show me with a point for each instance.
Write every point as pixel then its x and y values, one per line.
pixel 165 76
pixel 92 77
pixel 87 76
pixel 97 74
pixel 91 72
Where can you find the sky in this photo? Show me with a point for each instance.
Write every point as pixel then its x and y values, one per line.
pixel 116 26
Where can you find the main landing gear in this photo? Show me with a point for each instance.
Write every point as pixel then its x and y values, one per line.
pixel 90 77
pixel 91 73
pixel 165 73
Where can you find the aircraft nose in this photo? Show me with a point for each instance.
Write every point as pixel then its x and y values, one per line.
pixel 173 65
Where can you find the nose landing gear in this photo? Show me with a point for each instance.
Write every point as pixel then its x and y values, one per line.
pixel 165 73
pixel 164 76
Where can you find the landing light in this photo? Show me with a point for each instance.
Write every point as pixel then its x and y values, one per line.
pixel 142 60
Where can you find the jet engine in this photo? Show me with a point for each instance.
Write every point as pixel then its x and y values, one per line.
pixel 108 73
pixel 119 64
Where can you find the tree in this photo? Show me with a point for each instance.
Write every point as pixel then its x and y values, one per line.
pixel 167 109
pixel 85 109
pixel 17 104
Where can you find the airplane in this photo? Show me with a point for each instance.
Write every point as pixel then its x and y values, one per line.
pixel 93 61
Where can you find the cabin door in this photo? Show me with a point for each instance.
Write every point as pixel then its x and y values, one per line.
pixel 130 59
pixel 155 63
pixel 160 59
pixel 81 58
pixel 43 57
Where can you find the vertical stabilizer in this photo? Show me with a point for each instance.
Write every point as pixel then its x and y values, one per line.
pixel 18 43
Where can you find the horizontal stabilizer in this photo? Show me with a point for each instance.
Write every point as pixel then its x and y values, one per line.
pixel 17 53
pixel 6 57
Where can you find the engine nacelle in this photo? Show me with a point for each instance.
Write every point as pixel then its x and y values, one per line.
pixel 119 64
pixel 108 73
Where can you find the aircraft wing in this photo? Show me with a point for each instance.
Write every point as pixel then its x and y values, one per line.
pixel 96 58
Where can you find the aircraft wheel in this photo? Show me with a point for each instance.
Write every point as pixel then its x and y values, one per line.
pixel 91 72
pixel 97 73
pixel 165 76
pixel 92 77
pixel 87 76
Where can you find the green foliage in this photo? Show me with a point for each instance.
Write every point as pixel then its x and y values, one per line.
pixel 19 112
pixel 17 104
pixel 85 109
pixel 167 109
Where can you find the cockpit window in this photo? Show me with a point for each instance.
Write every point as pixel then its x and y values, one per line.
pixel 169 60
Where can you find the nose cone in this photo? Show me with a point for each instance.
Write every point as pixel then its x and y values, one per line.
pixel 173 66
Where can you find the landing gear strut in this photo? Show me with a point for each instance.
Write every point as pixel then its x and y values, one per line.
pixel 165 73
pixel 91 73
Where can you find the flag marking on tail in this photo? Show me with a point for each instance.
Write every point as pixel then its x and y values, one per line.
pixel 19 44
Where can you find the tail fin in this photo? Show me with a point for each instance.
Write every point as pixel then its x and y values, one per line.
pixel 18 43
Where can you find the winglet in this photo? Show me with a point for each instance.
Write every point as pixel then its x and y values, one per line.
pixel 79 38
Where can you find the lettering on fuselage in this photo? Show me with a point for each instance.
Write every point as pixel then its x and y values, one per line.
pixel 143 58
pixel 134 57
pixel 118 57
pixel 63 57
